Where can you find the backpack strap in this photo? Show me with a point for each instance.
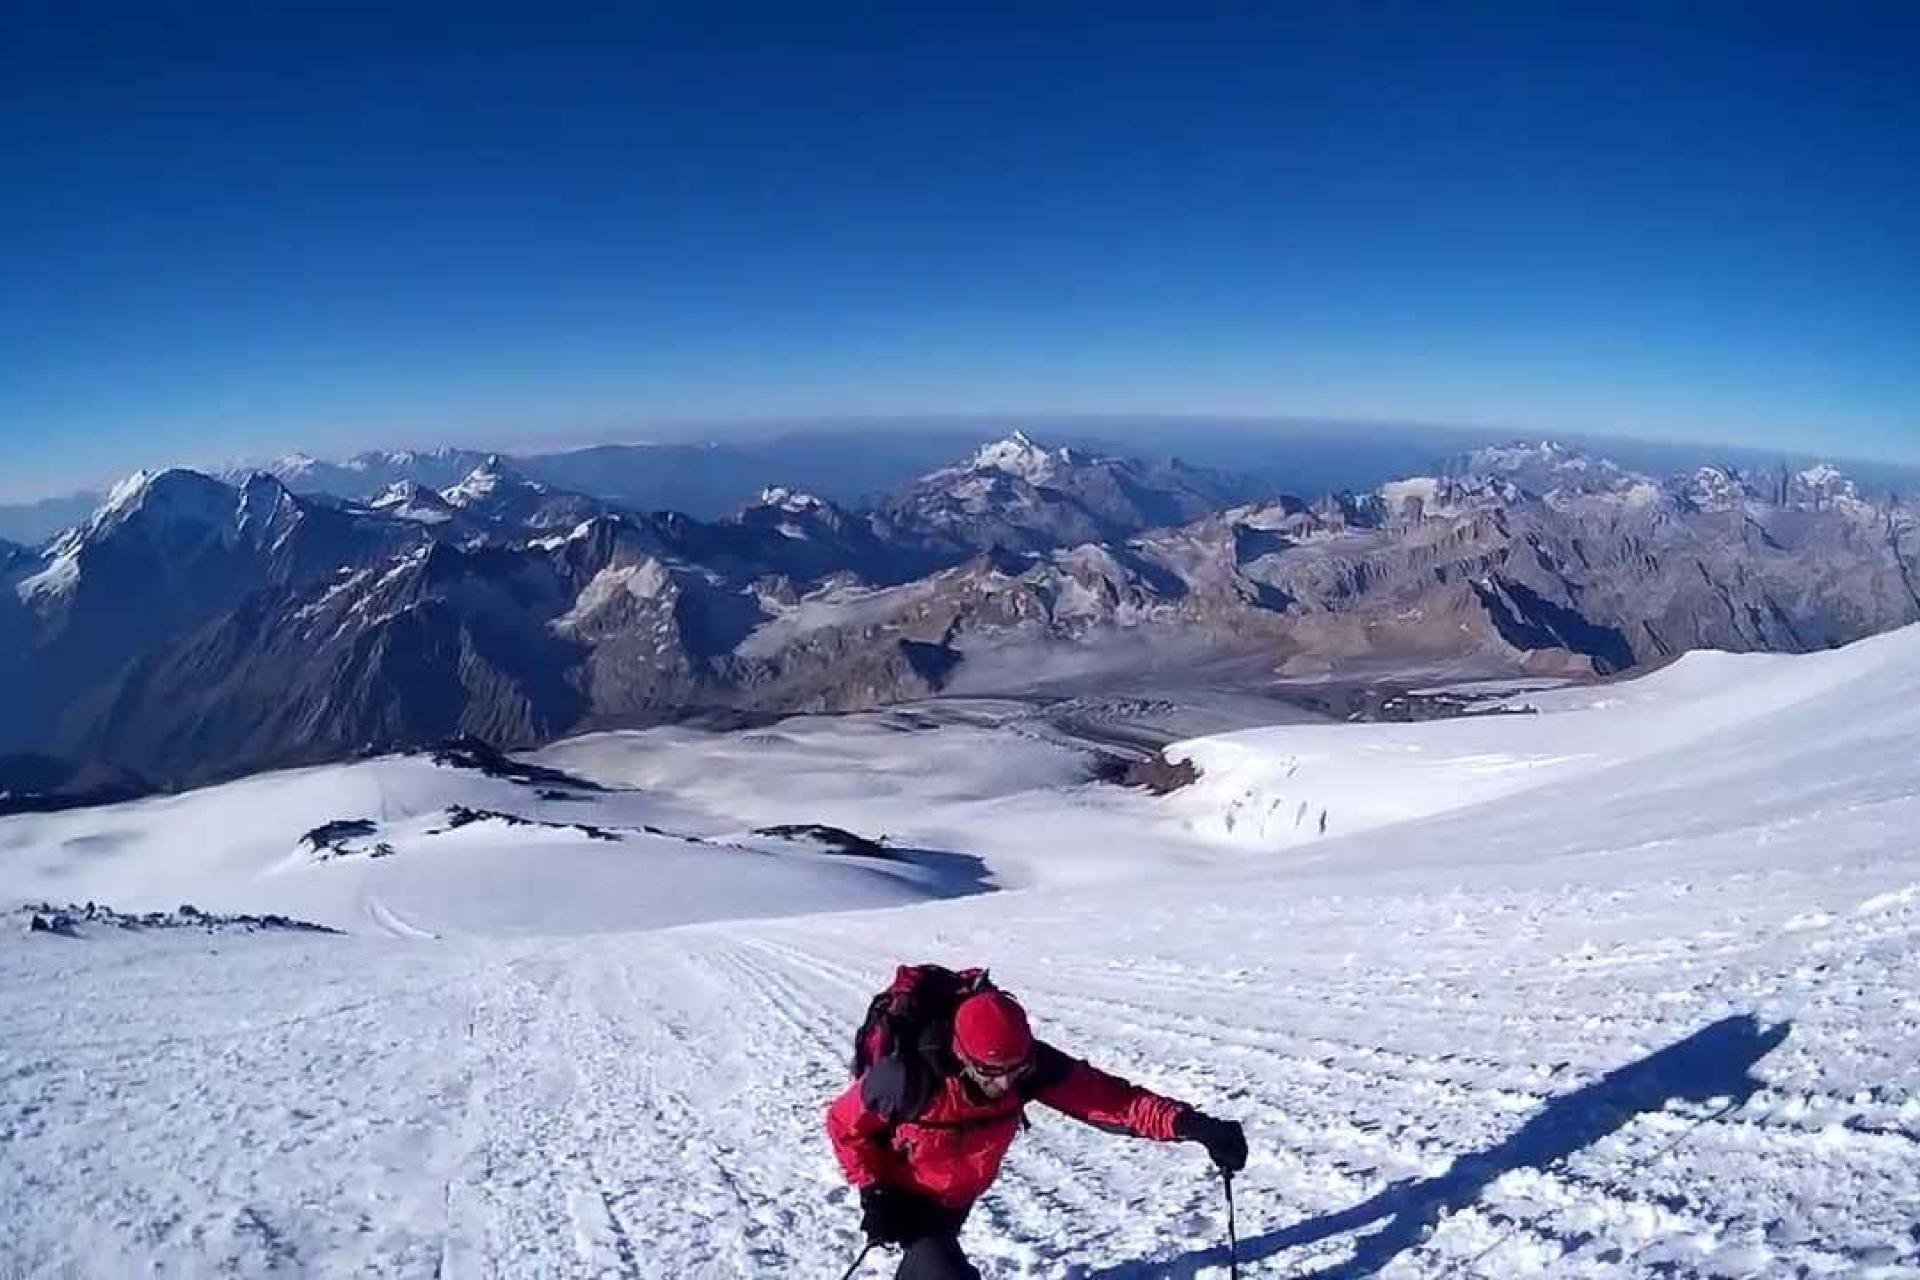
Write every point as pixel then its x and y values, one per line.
pixel 895 1089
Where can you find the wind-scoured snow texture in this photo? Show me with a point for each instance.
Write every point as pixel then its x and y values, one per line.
pixel 1654 1017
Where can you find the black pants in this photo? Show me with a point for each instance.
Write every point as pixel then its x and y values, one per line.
pixel 935 1254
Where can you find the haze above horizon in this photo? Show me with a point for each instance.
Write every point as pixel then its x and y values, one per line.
pixel 239 235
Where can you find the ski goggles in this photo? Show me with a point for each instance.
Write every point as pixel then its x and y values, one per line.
pixel 987 1073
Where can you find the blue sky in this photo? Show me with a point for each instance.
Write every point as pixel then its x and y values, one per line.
pixel 234 235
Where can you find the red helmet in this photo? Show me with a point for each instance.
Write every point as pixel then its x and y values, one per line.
pixel 991 1029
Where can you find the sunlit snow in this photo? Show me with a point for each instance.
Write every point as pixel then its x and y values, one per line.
pixel 1622 987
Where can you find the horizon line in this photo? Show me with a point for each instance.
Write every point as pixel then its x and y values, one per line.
pixel 807 426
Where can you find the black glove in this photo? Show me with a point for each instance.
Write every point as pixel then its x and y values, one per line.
pixel 891 1217
pixel 1224 1140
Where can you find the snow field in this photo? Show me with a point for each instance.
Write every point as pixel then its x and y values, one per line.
pixel 239 848
pixel 1651 1015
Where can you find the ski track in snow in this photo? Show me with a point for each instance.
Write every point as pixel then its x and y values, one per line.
pixel 1463 1047
pixel 649 1105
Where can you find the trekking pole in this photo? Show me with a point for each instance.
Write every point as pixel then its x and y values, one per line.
pixel 1233 1232
pixel 857 1261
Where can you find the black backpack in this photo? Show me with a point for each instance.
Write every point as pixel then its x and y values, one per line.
pixel 904 1047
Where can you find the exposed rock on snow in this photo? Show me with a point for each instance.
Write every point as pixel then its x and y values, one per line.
pixel 483 757
pixel 1155 773
pixel 345 838
pixel 460 815
pixel 83 920
pixel 833 838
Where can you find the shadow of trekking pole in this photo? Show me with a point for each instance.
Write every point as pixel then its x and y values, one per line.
pixel 1715 1062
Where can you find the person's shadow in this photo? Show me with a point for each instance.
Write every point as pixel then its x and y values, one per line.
pixel 1712 1064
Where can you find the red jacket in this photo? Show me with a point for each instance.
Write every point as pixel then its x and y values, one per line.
pixel 951 1150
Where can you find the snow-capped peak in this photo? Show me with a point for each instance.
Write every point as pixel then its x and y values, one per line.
pixel 171 495
pixel 293 465
pixel 1822 486
pixel 1824 476
pixel 1017 455
pixel 411 500
pixel 1714 489
pixel 789 500
pixel 1425 490
pixel 127 494
pixel 1553 471
pixel 375 458
pixel 1531 451
pixel 483 482
pixel 170 504
pixel 1424 497
pixel 1543 456
pixel 403 491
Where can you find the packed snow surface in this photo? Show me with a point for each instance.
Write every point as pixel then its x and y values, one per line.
pixel 1620 988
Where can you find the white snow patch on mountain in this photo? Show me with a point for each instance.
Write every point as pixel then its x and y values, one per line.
pixel 1715 489
pixel 646 580
pixel 1640 493
pixel 838 605
pixel 1423 488
pixel 60 576
pixel 345 581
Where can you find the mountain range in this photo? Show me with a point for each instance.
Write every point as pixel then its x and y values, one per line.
pixel 196 626
pixel 860 463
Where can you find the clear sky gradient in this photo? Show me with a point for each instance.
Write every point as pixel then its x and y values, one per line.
pixel 233 234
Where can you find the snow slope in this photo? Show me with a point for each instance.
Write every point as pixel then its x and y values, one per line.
pixel 1268 788
pixel 982 777
pixel 584 863
pixel 1650 1013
